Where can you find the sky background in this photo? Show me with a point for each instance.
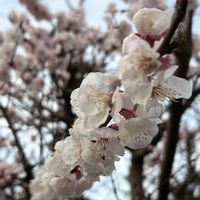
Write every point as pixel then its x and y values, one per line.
pixel 94 10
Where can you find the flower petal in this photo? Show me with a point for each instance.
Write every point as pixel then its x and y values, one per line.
pixel 137 133
pixel 145 18
pixel 136 85
pixel 176 88
pixel 152 109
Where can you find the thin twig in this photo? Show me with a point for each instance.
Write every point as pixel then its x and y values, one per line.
pixel 114 187
pixel 25 163
pixel 172 175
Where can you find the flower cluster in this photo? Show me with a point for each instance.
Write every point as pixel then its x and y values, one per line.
pixel 114 111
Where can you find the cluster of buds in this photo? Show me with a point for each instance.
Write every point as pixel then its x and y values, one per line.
pixel 114 111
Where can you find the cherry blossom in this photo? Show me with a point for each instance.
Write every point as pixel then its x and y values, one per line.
pixel 92 100
pixel 113 111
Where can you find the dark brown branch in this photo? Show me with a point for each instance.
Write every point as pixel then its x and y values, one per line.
pixel 167 46
pixel 188 102
pixel 183 55
pixel 136 177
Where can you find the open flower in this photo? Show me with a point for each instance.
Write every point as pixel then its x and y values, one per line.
pixel 138 55
pixel 92 100
pixel 163 86
pixel 103 151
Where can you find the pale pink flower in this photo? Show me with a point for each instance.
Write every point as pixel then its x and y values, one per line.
pixel 92 100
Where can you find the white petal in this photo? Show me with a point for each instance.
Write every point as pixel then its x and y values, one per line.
pixel 160 4
pixel 128 42
pixel 116 147
pixel 137 133
pixel 89 154
pixel 90 100
pixel 125 63
pixel 83 185
pixel 59 146
pixel 101 81
pixel 94 78
pixel 176 87
pixel 75 103
pixel 145 18
pixel 163 23
pixel 120 101
pixel 170 71
pixel 106 132
pixel 74 97
pixel 63 187
pixel 93 121
pixel 136 85
pixel 152 109
pixel 71 154
pixel 56 164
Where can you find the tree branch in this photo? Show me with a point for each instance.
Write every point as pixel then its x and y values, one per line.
pixel 188 102
pixel 25 163
pixel 167 46
pixel 136 177
pixel 183 55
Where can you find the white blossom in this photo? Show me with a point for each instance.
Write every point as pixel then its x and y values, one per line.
pixel 138 55
pixel 92 100
pixel 103 151
pixel 161 87
pixel 152 21
pixel 113 112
